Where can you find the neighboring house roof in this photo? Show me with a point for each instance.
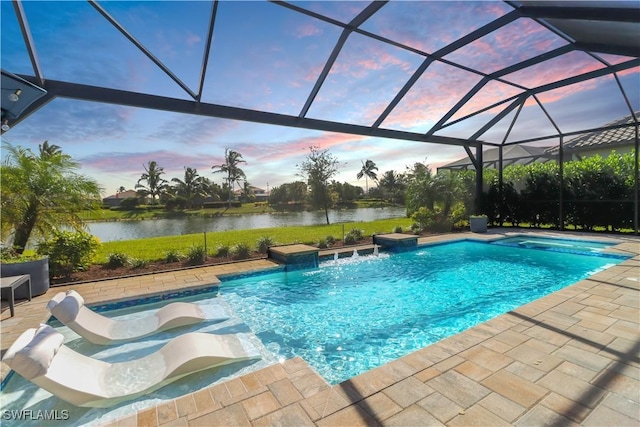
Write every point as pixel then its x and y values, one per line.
pixel 123 195
pixel 256 190
pixel 523 154
pixel 610 138
pixel 511 154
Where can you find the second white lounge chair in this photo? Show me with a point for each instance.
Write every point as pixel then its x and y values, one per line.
pixel 40 356
pixel 69 309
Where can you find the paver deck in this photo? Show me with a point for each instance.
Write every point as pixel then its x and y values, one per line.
pixel 570 358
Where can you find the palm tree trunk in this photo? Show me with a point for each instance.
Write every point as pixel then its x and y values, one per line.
pixel 24 229
pixel 230 187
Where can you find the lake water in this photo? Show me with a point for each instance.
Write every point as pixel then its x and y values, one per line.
pixel 128 230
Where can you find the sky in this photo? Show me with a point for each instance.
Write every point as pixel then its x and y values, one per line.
pixel 268 57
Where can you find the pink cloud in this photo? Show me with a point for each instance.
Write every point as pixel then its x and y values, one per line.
pixel 565 66
pixel 294 149
pixel 415 23
pixel 359 57
pixel 133 163
pixel 629 71
pixel 307 30
pixel 566 91
pixel 437 90
pixel 491 93
pixel 513 43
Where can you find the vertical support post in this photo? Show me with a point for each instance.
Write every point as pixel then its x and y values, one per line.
pixel 561 173
pixel 501 185
pixel 205 243
pixel 637 185
pixel 479 184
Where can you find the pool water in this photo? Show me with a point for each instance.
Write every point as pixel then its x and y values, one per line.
pixel 20 394
pixel 352 315
pixel 558 245
pixel 344 318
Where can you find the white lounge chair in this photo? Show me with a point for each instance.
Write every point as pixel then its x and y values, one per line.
pixel 69 309
pixel 40 356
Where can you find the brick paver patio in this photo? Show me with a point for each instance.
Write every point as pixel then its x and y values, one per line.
pixel 570 358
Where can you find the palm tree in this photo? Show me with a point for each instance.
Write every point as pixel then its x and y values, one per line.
pixel 392 184
pixel 230 166
pixel 367 171
pixel 47 150
pixel 248 193
pixel 41 193
pixel 156 185
pixel 191 187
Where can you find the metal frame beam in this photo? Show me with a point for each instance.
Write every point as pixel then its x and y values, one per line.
pixel 355 23
pixel 141 100
pixel 463 41
pixel 615 14
pixel 495 76
pixel 141 47
pixel 28 41
pixel 207 49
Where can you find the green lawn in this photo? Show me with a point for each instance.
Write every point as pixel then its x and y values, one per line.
pixel 155 248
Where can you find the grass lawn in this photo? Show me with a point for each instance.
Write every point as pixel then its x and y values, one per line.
pixel 155 248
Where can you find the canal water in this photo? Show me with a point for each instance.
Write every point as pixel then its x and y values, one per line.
pixel 128 230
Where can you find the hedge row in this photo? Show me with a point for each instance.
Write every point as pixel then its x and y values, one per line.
pixel 596 192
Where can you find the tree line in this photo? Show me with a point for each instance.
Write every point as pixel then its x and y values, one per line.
pixel 43 191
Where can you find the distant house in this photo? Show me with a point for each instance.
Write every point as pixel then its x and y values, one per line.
pixel 260 194
pixel 511 155
pixel 116 199
pixel 602 142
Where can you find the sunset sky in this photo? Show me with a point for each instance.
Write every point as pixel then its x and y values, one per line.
pixel 267 57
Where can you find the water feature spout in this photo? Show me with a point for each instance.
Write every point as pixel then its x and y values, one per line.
pixel 335 256
pixel 355 254
pixel 375 250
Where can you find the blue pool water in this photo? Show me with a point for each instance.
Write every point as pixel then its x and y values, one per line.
pixel 558 245
pixel 344 318
pixel 351 315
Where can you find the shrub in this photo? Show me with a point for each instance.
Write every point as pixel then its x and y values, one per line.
pixel 172 256
pixel 241 251
pixel 263 244
pixel 353 236
pixel 139 263
pixel 117 259
pixel 322 244
pixel 357 233
pixel 432 220
pixel 330 240
pixel 397 229
pixel 350 239
pixel 177 203
pixel 222 251
pixel 129 203
pixel 196 255
pixel 69 251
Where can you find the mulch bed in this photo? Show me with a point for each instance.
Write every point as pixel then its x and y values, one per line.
pixel 98 272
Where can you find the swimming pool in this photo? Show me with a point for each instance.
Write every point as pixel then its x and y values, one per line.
pixel 344 318
pixel 352 315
